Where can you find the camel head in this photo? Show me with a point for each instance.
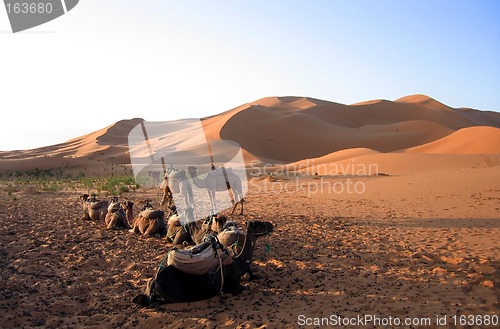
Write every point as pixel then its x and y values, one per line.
pixel 147 205
pixel 215 223
pixel 84 197
pixel 192 170
pixel 230 225
pixel 218 223
pixel 260 228
pixel 126 205
pixel 172 210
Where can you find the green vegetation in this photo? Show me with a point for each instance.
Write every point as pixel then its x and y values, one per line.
pixel 41 181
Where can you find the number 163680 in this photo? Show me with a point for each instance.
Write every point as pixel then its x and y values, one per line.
pixel 29 8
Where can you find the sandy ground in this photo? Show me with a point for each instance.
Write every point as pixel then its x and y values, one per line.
pixel 416 246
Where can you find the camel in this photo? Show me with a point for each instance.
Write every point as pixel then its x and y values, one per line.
pixel 120 214
pixel 216 181
pixel 192 231
pixel 155 176
pixel 177 182
pixel 179 226
pixel 171 285
pixel 211 225
pixel 149 222
pixel 85 206
pixel 93 208
pixel 242 244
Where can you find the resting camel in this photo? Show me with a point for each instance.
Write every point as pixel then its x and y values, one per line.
pixel 183 229
pixel 211 225
pixel 216 181
pixel 149 221
pixel 93 208
pixel 242 244
pixel 171 285
pixel 179 226
pixel 177 182
pixel 85 206
pixel 120 214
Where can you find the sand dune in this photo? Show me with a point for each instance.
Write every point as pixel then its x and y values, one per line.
pixel 424 101
pixel 308 166
pixel 293 129
pixel 473 140
pixel 411 163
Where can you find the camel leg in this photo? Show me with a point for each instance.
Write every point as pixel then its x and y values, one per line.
pixel 112 221
pixel 212 200
pixel 241 205
pixel 103 214
pixel 241 202
pixel 167 194
pixel 234 208
pixel 180 237
pixel 153 228
pixel 125 222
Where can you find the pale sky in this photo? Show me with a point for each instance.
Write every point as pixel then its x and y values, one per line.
pixel 168 59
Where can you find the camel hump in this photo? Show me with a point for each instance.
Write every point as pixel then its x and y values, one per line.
pixel 199 259
pixel 177 174
pixel 98 204
pixel 174 220
pixel 219 172
pixel 114 207
pixel 152 214
pixel 230 235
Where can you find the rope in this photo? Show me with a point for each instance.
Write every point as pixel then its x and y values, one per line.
pixel 236 243
pixel 221 273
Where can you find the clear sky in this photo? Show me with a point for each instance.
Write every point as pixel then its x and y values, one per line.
pixel 168 59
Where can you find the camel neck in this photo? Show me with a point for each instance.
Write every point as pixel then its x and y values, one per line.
pixel 200 183
pixel 249 245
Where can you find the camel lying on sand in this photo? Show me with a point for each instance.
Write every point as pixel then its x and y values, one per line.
pixel 85 206
pixel 172 285
pixel 179 226
pixel 211 226
pixel 93 208
pixel 242 244
pixel 149 221
pixel 120 214
pixel 182 229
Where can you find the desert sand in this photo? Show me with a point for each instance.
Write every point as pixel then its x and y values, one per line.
pixel 401 222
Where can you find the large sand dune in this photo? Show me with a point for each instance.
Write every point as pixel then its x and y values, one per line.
pixel 283 130
pixel 289 129
pixel 473 140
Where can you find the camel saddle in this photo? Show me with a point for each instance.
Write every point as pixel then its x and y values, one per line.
pixel 230 237
pixel 114 207
pixel 152 214
pixel 98 204
pixel 200 259
pixel 174 220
